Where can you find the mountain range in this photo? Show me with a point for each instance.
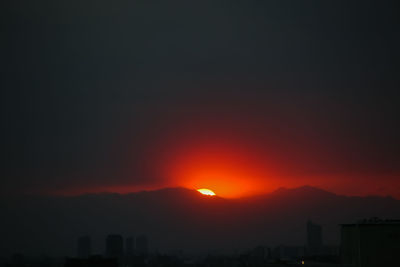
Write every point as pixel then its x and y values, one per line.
pixel 181 219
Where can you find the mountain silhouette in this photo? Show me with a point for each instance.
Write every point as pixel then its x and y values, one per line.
pixel 179 218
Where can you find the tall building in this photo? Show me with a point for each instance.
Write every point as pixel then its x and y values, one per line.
pixel 130 246
pixel 371 243
pixel 314 238
pixel 142 245
pixel 129 250
pixel 287 252
pixel 115 247
pixel 257 256
pixel 84 247
pixel 91 262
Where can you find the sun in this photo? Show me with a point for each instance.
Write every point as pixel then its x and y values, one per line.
pixel 206 192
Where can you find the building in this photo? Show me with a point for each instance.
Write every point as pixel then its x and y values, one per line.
pixel 142 245
pixel 371 243
pixel 84 247
pixel 130 250
pixel 91 262
pixel 115 247
pixel 257 256
pixel 287 252
pixel 314 238
pixel 130 246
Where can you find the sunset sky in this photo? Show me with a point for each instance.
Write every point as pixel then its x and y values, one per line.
pixel 238 97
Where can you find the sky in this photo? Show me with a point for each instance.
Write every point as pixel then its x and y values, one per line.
pixel 239 97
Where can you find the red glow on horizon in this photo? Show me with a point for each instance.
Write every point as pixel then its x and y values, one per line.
pixel 233 163
pixel 230 169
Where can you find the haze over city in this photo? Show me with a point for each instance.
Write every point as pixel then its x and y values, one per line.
pixel 128 108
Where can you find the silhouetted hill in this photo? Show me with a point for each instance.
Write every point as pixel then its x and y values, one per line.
pixel 179 218
pixel 303 191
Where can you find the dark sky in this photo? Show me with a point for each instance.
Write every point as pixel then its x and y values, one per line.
pixel 125 95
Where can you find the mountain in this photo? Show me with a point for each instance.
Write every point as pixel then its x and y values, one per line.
pixel 179 218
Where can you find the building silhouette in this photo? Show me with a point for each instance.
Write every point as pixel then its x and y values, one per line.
pixel 371 243
pixel 283 252
pixel 257 256
pixel 91 262
pixel 129 250
pixel 142 245
pixel 115 247
pixel 314 238
pixel 84 247
pixel 130 246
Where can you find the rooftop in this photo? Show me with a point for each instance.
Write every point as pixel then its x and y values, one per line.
pixel 373 221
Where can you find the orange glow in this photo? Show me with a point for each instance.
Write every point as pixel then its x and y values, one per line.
pixel 232 169
pixel 206 192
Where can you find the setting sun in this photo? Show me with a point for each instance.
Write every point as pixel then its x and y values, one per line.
pixel 207 192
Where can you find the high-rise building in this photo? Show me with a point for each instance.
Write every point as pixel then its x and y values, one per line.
pixel 371 243
pixel 314 238
pixel 130 246
pixel 115 247
pixel 142 245
pixel 288 252
pixel 91 262
pixel 129 250
pixel 84 247
pixel 257 256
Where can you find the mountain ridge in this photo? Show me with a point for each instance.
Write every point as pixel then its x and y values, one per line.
pixel 281 190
